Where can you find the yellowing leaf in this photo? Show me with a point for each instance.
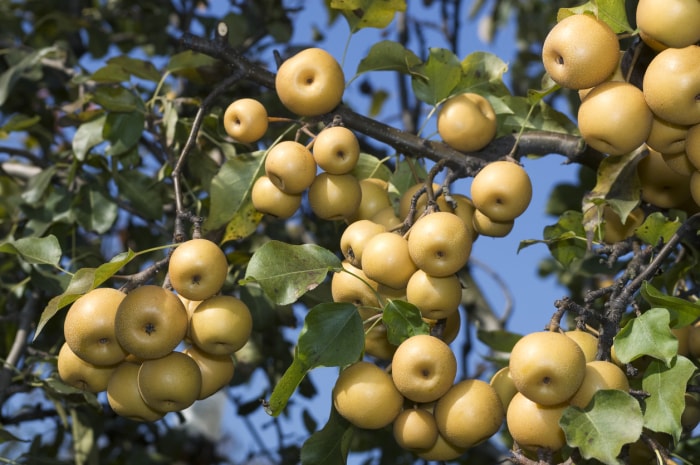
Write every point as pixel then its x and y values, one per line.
pixel 368 13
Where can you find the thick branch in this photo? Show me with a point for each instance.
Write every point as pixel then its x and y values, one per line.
pixel 529 143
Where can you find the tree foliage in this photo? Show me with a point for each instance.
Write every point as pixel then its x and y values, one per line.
pixel 112 151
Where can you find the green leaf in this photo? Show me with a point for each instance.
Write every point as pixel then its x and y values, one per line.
pixel 683 313
pixel 35 250
pixel 117 98
pixel 369 166
pixel 38 185
pixel 331 444
pixel 123 131
pixel 113 74
pixel 499 340
pixel 617 185
pixel 29 62
pixel 611 12
pixel 565 239
pixel 648 334
pixel 286 271
pixel 87 136
pixel 83 438
pixel 188 60
pixel 19 122
pixel 482 73
pixel 656 228
pixel 666 386
pixel 142 191
pixel 140 68
pixel 95 210
pixel 368 13
pixel 84 280
pixel 332 335
pixel 403 320
pixel 230 195
pixel 596 431
pixel 435 80
pixel 388 55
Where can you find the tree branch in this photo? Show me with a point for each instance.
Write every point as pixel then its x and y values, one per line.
pixel 464 164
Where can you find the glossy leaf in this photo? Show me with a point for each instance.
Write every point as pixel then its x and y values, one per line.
pixel 286 272
pixel 436 79
pixel 683 313
pixel 388 55
pixel 35 250
pixel 331 444
pixel 403 320
pixel 657 228
pixel 84 280
pixel 648 334
pixel 332 335
pixel 666 385
pixel 611 12
pixel 596 431
pixel 368 13
pixel 230 195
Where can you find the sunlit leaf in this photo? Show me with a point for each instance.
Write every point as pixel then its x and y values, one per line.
pixel 611 12
pixel 565 239
pixel 666 386
pixel 84 280
pixel 482 73
pixel 369 166
pixel 286 272
pixel 388 55
pixel 435 79
pixel 19 122
pixel 403 320
pixel 331 444
pixel 35 250
pixel 683 313
pixel 368 13
pixel 88 135
pixel 244 223
pixel 648 334
pixel 596 431
pixel 656 228
pixel 83 438
pixel 332 335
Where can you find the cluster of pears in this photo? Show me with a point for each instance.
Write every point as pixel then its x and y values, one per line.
pixel 430 414
pixel 617 117
pixel 127 343
pixel 310 83
pixel 547 372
